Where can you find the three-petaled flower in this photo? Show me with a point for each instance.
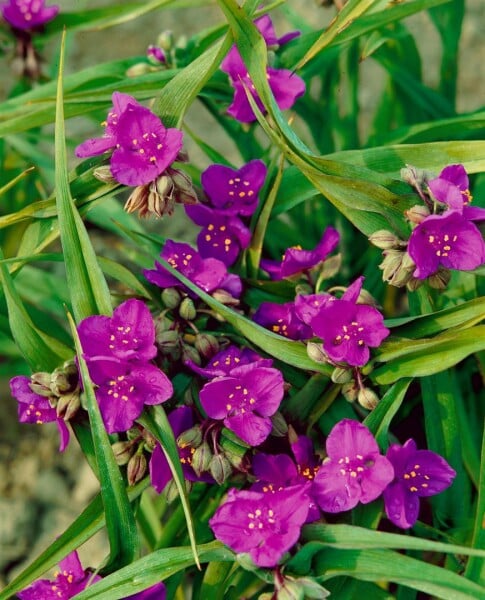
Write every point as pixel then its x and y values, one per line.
pixel 285 85
pixel 417 474
pixel 346 328
pixel 354 470
pixel 263 525
pixel 143 146
pixel 283 320
pixel 449 240
pixel 245 400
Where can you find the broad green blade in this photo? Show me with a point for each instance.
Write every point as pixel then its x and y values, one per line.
pixel 87 285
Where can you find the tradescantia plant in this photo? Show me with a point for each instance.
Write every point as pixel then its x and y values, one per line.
pixel 290 406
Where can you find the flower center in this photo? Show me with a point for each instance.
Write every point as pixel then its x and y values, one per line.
pixel 415 479
pixel 121 338
pixel 354 330
pixel 280 327
pixel 148 146
pixel 240 188
pixel 261 518
pixel 354 466
pixel 441 244
pixel 308 472
pixel 120 388
pixel 177 261
pixel 218 237
pixel 467 196
pixel 239 401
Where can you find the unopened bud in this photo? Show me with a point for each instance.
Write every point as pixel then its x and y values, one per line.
pixel 68 405
pixel 169 342
pixel 280 426
pixel 341 375
pixel 330 266
pixel 156 55
pixel 165 40
pixel 138 69
pixel 413 284
pixel 103 174
pixel 137 467
pixel 385 240
pixel 367 398
pixel 393 270
pixel 171 297
pixel 224 297
pixel 190 437
pixel 190 354
pixel 366 297
pixel 415 177
pixel 40 383
pixel 350 391
pixel 184 190
pixel 220 468
pixel 65 379
pixel 290 590
pixel 315 352
pixel 206 345
pixel 416 214
pixel 187 309
pixel 201 458
pixel 122 451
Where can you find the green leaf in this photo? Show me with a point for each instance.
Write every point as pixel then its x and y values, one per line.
pixel 426 357
pixel 89 291
pixel 120 521
pixel 41 351
pixel 152 569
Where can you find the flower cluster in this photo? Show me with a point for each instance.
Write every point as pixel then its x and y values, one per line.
pixel 118 351
pixel 444 234
pixel 284 84
pixel 232 194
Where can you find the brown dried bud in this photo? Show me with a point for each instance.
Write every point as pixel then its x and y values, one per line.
pixel 440 279
pixel 137 467
pixel 65 379
pixel 40 383
pixel 68 405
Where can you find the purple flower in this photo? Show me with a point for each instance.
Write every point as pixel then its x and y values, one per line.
pixel 449 240
pixel 144 147
pixel 283 320
pixel 277 472
pixel 307 306
pixel 265 525
pixel 28 14
pixel 128 335
pixel 223 236
pixel 95 146
pixel 354 470
pixel 33 408
pixel 417 474
pixel 234 191
pixel 67 583
pixel 207 273
pixel 348 329
pixel 181 419
pixel 285 85
pixel 296 260
pixel 245 401
pixel 155 592
pixel 451 187
pixel 228 359
pixel 156 54
pixel 124 388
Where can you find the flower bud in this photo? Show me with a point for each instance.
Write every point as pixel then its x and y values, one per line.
pixel 103 174
pixel 415 177
pixel 171 297
pixel 65 379
pixel 224 297
pixel 190 354
pixel 290 590
pixel 206 345
pixel 316 352
pixel 385 240
pixel 220 468
pixel 417 213
pixel 201 459
pixel 190 437
pixel 166 40
pixel 169 343
pixel 413 284
pixel 350 391
pixel 156 55
pixel 122 451
pixel 393 270
pixel 40 383
pixel 341 375
pixel 138 69
pixel 280 426
pixel 68 405
pixel 234 449
pixel 187 309
pixel 330 266
pixel 367 398
pixel 137 466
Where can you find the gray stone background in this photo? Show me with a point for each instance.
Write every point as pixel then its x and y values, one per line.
pixel 41 492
